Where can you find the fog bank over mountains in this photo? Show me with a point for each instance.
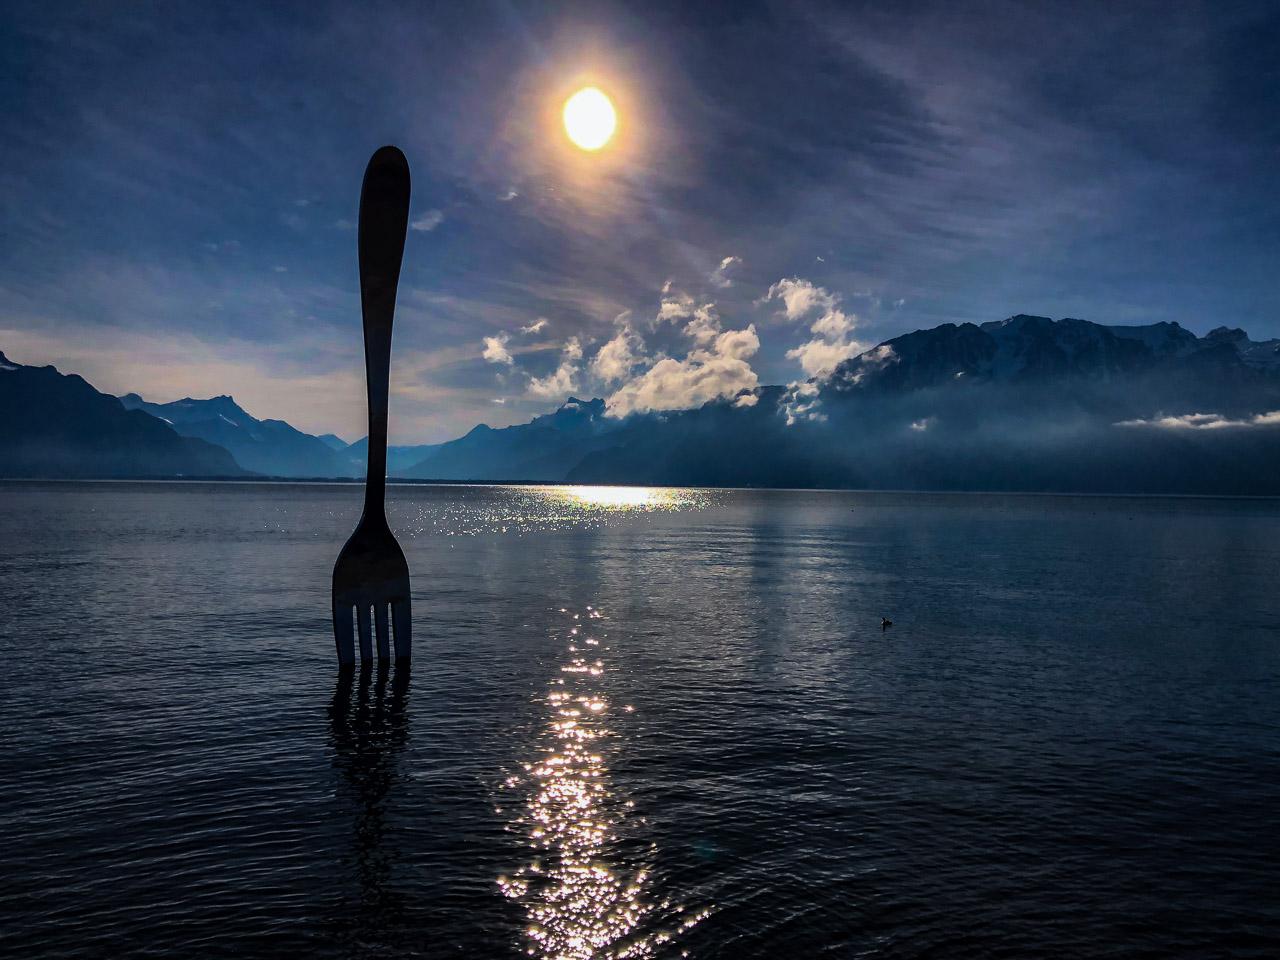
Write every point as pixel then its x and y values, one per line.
pixel 1023 404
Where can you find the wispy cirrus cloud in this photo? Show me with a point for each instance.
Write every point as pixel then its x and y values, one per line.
pixel 427 221
pixel 720 276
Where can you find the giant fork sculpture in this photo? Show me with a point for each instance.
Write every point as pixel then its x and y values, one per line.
pixel 371 574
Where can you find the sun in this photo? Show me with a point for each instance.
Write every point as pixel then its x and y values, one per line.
pixel 589 118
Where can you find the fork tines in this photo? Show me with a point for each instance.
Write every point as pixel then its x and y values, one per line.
pixel 371 619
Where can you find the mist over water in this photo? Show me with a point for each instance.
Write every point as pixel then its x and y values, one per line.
pixel 641 723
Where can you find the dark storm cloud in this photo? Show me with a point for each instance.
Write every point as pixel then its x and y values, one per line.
pixel 179 181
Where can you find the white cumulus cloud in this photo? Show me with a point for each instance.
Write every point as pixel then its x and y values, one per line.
pixel 564 379
pixel 536 327
pixel 495 349
pixel 718 371
pixel 615 360
pixel 674 305
pixel 1206 421
pixel 704 326
pixel 832 329
pixel 819 357
pixel 800 298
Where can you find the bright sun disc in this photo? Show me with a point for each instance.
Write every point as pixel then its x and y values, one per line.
pixel 589 118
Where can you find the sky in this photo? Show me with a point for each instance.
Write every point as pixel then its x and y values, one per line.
pixel 790 184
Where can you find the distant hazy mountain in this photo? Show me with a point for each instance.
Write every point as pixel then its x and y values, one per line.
pixel 57 425
pixel 398 458
pixel 270 447
pixel 1024 404
pixel 546 448
pixel 333 442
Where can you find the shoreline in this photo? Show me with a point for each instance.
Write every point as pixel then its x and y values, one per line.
pixel 404 482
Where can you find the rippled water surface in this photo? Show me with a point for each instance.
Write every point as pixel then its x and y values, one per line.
pixel 641 723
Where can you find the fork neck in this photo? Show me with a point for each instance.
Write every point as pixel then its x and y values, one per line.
pixel 377 348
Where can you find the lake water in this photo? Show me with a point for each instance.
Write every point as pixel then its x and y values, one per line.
pixel 641 723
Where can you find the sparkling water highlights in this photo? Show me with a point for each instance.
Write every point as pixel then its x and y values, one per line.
pixel 524 510
pixel 582 900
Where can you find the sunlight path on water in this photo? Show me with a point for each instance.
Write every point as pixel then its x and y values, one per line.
pixel 524 510
pixel 582 897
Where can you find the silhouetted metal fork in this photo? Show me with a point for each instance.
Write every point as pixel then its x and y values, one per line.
pixel 371 575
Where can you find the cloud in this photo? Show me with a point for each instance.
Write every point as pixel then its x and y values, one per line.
pixel 719 276
pixel 507 197
pixel 719 371
pixel 495 349
pixel 868 360
pixel 832 342
pixel 615 360
pixel 819 358
pixel 704 326
pixel 704 322
pixel 801 402
pixel 800 297
pixel 564 379
pixel 427 221
pixel 1205 421
pixel 674 305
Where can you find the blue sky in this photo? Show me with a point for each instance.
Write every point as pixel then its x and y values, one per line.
pixel 790 183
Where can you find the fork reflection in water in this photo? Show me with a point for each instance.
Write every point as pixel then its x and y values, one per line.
pixel 582 898
pixel 368 725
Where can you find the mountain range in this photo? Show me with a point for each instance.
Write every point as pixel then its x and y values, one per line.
pixel 545 449
pixel 1026 403
pixel 269 447
pixel 57 425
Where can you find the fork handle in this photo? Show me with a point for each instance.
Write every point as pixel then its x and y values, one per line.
pixel 384 219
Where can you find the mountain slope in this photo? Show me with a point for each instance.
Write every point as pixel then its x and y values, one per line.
pixel 270 447
pixel 57 425
pixel 399 458
pixel 333 442
pixel 1029 349
pixel 545 449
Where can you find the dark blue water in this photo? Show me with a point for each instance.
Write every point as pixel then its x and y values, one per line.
pixel 641 724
